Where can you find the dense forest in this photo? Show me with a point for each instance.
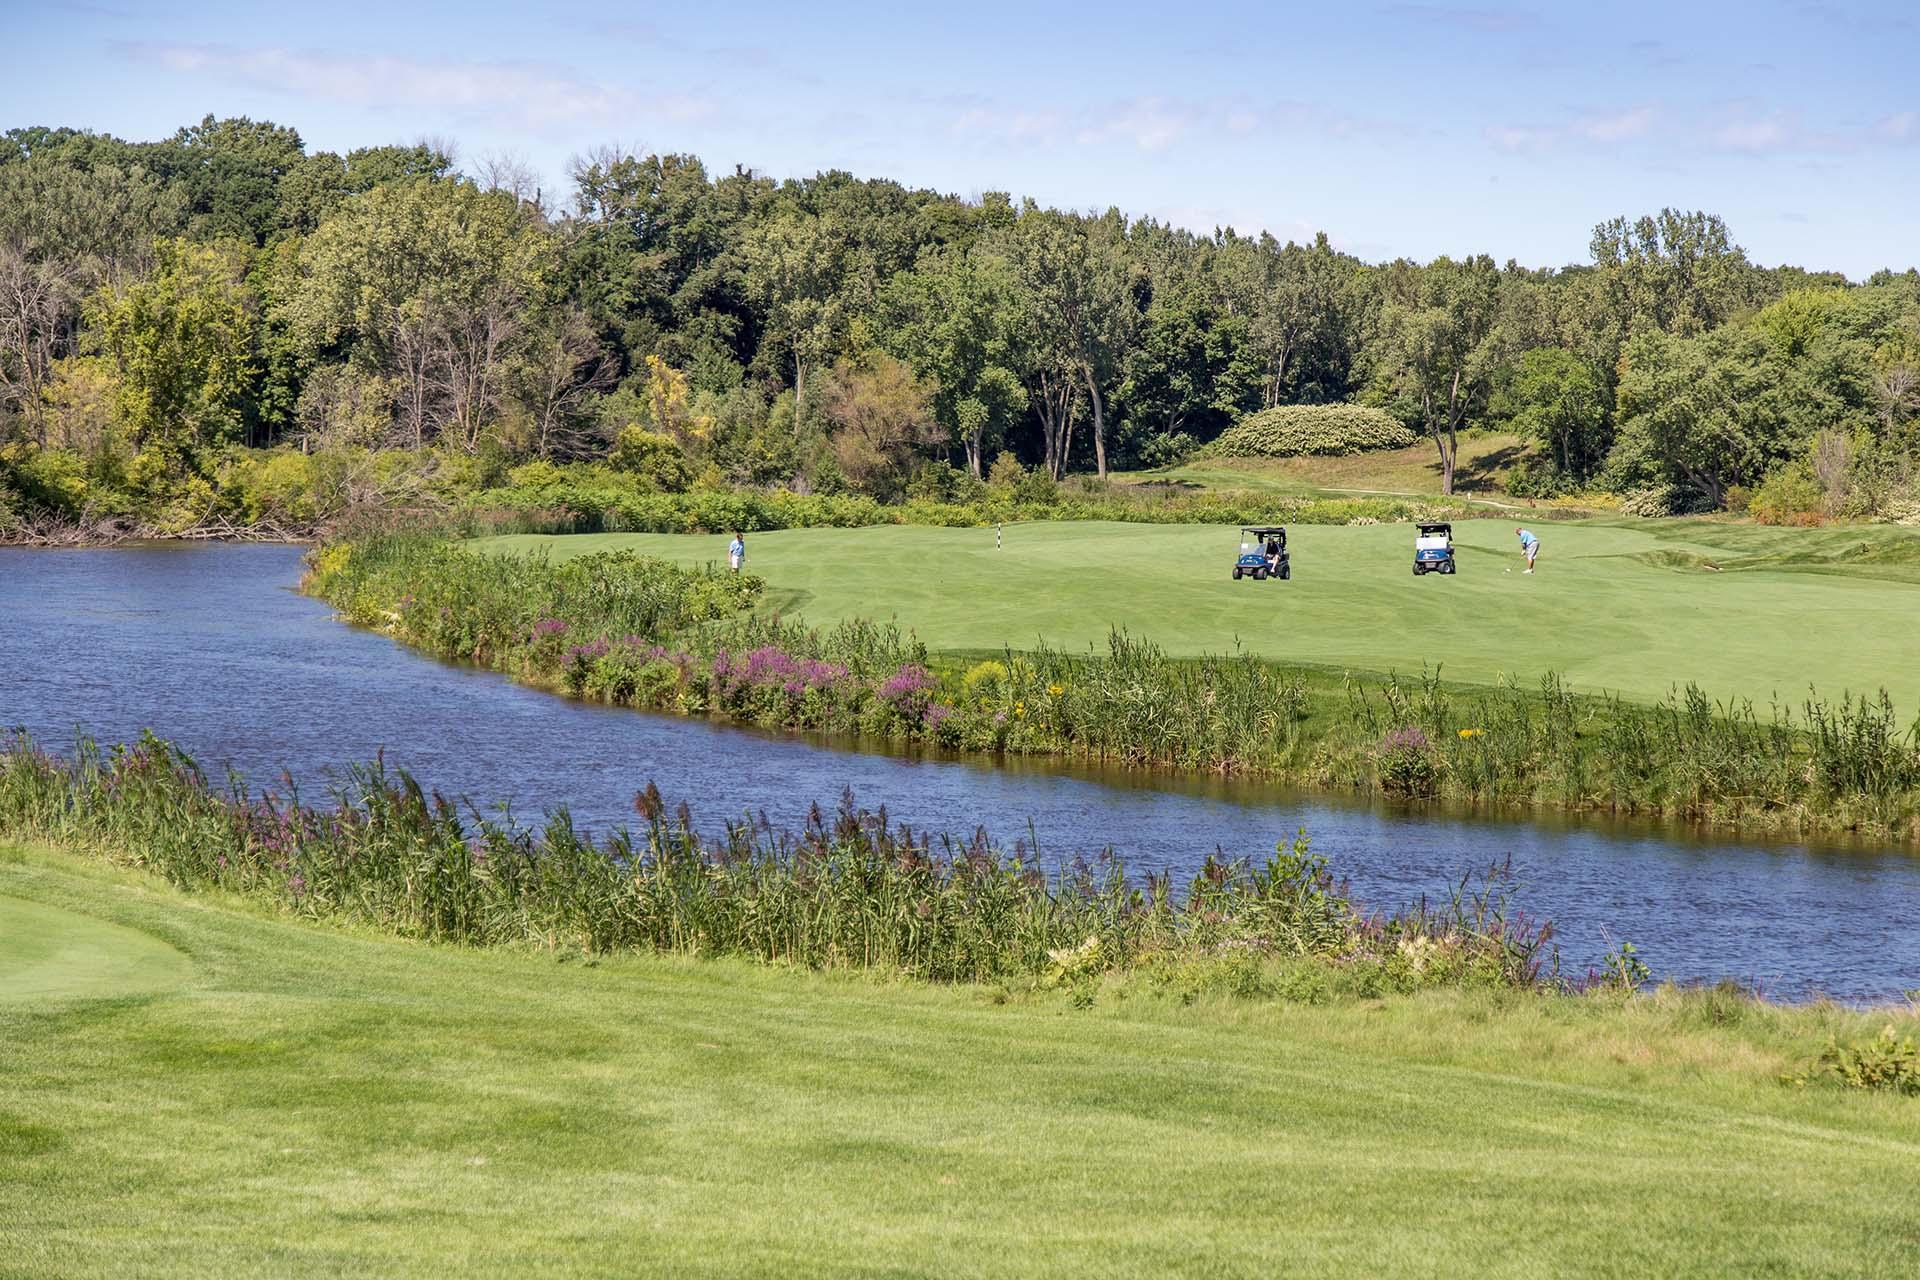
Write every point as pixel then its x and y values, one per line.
pixel 184 316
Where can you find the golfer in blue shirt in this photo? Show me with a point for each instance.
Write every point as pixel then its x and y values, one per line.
pixel 1529 547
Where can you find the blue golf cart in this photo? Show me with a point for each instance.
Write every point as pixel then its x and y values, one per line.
pixel 1433 549
pixel 1263 554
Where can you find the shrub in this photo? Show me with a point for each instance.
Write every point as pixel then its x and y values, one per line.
pixel 654 456
pixel 1166 450
pixel 1408 764
pixel 1290 430
pixel 1890 1062
pixel 1789 495
pixel 1651 502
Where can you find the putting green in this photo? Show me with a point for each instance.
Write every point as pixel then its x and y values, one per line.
pixel 1635 607
pixel 50 953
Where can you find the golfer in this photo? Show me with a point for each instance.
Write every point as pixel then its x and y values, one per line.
pixel 1529 547
pixel 737 553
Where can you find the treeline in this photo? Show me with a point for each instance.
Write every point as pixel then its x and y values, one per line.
pixel 166 307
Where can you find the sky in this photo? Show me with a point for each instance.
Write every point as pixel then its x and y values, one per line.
pixel 1398 128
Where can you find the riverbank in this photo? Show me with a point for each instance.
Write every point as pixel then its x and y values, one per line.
pixel 602 626
pixel 329 1098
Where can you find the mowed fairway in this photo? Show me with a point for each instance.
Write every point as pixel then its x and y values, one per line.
pixel 307 1100
pixel 1635 607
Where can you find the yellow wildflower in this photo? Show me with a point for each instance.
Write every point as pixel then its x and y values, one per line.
pixel 1056 690
pixel 1471 733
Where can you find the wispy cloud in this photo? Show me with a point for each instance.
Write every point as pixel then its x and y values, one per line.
pixel 1773 131
pixel 1154 123
pixel 1901 127
pixel 1618 127
pixel 536 96
pixel 1603 130
pixel 1149 123
pixel 1019 126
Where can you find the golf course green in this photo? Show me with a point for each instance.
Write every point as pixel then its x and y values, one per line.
pixel 1634 607
pixel 312 1099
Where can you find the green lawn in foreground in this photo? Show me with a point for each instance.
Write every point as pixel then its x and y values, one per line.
pixel 1636 607
pixel 308 1100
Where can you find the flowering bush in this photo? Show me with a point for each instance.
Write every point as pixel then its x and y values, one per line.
pixel 1407 763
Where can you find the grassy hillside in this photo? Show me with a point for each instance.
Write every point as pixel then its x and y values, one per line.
pixel 294 1099
pixel 1636 607
pixel 1484 460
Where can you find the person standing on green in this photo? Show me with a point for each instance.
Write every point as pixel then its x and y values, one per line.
pixel 1529 547
pixel 737 553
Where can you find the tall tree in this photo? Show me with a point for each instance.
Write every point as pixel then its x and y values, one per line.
pixel 957 320
pixel 39 303
pixel 436 283
pixel 1556 398
pixel 796 266
pixel 182 341
pixel 1437 352
pixel 1677 272
pixel 1076 285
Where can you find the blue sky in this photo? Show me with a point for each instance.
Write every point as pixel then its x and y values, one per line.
pixel 1399 128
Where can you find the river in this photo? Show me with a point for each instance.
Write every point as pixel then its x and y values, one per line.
pixel 212 646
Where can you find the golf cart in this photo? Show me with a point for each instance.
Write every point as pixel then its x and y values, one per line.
pixel 1263 553
pixel 1433 549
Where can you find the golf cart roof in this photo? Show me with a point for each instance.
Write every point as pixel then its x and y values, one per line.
pixel 1262 530
pixel 1442 527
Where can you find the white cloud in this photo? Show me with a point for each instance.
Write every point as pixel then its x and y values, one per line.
pixel 1010 126
pixel 1773 133
pixel 1151 124
pixel 1598 130
pixel 1903 126
pixel 535 96
pixel 1521 137
pixel 1618 127
pixel 1155 123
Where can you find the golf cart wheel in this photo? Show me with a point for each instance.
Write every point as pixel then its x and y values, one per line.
pixel 1286 571
pixel 1419 569
pixel 1449 567
pixel 1259 574
pixel 1236 573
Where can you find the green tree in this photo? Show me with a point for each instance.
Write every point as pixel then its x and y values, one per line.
pixel 1556 398
pixel 1722 409
pixel 1677 272
pixel 437 284
pixel 796 271
pixel 104 219
pixel 1437 348
pixel 1076 281
pixel 320 183
pixel 882 417
pixel 956 319
pixel 182 341
pixel 230 171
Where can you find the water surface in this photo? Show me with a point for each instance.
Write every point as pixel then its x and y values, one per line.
pixel 211 646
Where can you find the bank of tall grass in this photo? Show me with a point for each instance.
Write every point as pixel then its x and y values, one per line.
pixel 584 499
pixel 628 630
pixel 849 891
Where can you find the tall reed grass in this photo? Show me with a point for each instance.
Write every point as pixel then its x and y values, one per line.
pixel 628 630
pixel 851 890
